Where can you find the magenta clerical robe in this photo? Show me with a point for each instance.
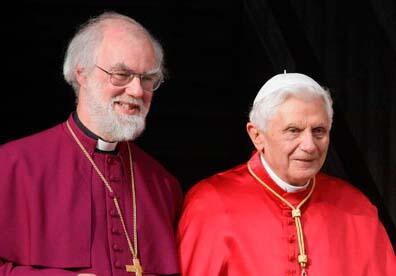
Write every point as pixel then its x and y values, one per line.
pixel 57 218
pixel 231 225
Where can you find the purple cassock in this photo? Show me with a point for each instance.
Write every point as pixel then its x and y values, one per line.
pixel 57 218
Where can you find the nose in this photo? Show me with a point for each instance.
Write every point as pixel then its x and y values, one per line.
pixel 307 142
pixel 134 88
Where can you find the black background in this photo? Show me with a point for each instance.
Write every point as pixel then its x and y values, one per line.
pixel 219 53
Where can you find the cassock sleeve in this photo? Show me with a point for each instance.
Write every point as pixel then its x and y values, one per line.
pixel 202 233
pixel 383 253
pixel 9 269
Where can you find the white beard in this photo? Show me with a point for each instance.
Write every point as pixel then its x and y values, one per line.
pixel 109 123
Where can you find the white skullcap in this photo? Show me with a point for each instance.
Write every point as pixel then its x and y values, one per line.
pixel 286 80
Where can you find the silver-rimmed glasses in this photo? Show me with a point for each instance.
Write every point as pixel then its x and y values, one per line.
pixel 149 82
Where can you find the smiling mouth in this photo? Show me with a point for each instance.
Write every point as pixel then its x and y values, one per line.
pixel 127 108
pixel 305 160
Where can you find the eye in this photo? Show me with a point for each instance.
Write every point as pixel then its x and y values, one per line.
pixel 150 78
pixel 120 75
pixel 292 130
pixel 319 132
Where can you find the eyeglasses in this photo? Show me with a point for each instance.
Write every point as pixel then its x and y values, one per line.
pixel 149 82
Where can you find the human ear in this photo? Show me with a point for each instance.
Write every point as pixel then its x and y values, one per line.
pixel 81 76
pixel 256 136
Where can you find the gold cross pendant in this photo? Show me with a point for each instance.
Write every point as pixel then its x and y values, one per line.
pixel 136 267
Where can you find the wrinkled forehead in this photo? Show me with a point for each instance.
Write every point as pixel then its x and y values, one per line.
pixel 302 108
pixel 129 44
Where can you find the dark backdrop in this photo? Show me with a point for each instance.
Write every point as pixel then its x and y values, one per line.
pixel 219 53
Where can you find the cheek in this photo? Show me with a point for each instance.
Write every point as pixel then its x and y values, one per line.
pixel 147 99
pixel 323 147
pixel 290 148
pixel 101 91
pixel 106 98
pixel 108 93
pixel 284 154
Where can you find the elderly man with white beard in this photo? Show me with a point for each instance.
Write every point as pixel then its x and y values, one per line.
pixel 81 198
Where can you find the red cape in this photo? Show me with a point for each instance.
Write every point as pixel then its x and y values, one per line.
pixel 232 225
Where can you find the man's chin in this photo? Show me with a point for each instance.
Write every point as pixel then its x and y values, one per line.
pixel 127 136
pixel 301 178
pixel 125 128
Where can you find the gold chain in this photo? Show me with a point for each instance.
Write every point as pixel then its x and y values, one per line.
pixel 296 215
pixel 133 248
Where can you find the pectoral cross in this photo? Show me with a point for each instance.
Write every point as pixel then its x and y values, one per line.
pixel 136 267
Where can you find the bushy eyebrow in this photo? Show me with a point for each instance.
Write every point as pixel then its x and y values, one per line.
pixel 121 66
pixel 298 126
pixel 293 124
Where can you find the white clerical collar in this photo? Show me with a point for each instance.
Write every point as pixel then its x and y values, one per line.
pixel 106 146
pixel 282 184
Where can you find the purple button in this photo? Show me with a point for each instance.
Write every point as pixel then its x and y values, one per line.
pixel 117 264
pixel 116 247
pixel 113 213
pixel 115 231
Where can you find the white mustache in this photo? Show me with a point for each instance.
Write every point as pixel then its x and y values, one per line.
pixel 128 100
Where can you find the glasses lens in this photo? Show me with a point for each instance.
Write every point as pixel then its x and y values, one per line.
pixel 120 79
pixel 150 83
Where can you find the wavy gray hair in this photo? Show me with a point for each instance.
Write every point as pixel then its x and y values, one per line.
pixel 82 49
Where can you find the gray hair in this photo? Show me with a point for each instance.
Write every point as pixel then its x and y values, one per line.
pixel 265 108
pixel 82 49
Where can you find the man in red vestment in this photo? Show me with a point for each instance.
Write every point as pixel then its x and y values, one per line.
pixel 277 214
pixel 81 198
